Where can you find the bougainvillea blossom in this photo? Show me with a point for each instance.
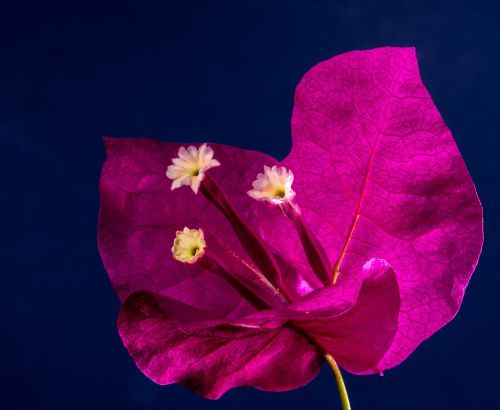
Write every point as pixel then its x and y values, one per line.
pixel 357 247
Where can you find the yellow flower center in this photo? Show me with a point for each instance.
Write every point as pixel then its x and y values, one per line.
pixel 274 185
pixel 190 165
pixel 189 245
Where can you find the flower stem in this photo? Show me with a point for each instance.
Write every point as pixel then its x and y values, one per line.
pixel 344 399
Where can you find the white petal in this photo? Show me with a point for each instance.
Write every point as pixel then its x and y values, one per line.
pixel 189 167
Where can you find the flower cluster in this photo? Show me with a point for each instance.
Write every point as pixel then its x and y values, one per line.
pixel 367 256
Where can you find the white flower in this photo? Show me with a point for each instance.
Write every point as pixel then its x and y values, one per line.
pixel 189 245
pixel 190 166
pixel 274 185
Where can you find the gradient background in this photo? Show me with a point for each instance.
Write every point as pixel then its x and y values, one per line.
pixel 224 71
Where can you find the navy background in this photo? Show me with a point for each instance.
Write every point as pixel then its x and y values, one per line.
pixel 225 71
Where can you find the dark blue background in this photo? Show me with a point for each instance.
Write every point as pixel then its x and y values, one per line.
pixel 225 71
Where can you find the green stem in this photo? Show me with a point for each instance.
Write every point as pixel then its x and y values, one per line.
pixel 344 399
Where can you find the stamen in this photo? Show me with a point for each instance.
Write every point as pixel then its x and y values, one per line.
pixel 280 193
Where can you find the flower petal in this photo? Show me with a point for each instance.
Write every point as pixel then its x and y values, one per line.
pixel 274 350
pixel 359 337
pixel 392 185
pixel 175 343
pixel 140 215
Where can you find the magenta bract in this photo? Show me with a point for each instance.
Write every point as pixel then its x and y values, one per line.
pixel 386 232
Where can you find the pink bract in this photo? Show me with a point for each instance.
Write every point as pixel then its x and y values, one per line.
pixel 382 189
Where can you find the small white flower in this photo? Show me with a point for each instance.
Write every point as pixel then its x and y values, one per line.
pixel 189 245
pixel 190 166
pixel 274 185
